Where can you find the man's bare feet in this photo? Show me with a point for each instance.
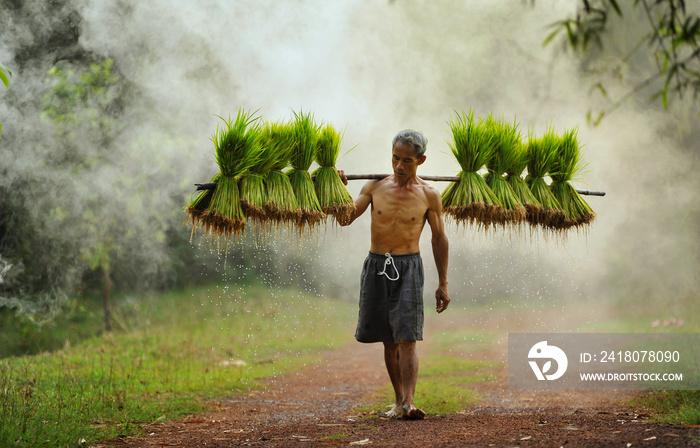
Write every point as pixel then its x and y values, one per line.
pixel 413 413
pixel 394 412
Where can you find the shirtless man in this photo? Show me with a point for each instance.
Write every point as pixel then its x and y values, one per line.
pixel 391 296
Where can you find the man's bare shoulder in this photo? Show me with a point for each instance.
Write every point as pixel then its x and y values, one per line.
pixel 427 187
pixel 369 187
pixel 431 193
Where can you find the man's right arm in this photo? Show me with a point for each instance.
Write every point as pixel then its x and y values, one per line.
pixel 440 248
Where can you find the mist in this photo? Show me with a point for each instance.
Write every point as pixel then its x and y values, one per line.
pixel 374 68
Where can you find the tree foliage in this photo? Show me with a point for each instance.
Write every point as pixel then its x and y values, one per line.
pixel 5 75
pixel 668 29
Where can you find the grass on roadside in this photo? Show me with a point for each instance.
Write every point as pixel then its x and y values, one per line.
pixel 20 335
pixel 673 406
pixel 335 437
pixel 179 348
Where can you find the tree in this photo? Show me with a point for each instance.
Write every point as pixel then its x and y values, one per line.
pixel 667 28
pixel 81 106
pixel 80 196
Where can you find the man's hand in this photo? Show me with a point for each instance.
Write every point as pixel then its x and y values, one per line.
pixel 341 173
pixel 442 298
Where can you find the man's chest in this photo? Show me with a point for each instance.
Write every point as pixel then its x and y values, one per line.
pixel 405 208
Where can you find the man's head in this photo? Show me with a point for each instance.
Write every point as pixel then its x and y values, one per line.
pixel 408 151
pixel 413 138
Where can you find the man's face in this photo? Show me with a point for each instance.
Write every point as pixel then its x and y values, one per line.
pixel 404 160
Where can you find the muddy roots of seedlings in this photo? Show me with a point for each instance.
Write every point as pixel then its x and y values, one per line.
pixel 550 215
pixel 512 210
pixel 197 208
pixel 281 206
pixel 311 213
pixel 224 217
pixel 470 201
pixel 475 213
pixel 522 191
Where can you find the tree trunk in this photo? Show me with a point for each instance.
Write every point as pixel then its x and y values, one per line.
pixel 106 299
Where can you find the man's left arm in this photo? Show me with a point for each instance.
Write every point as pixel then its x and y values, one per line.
pixel 440 248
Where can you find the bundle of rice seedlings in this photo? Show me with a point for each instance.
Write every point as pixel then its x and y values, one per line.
pixel 470 199
pixel 252 184
pixel 305 137
pixel 542 153
pixel 517 183
pixel 281 205
pixel 332 194
pixel 237 146
pixel 196 209
pixel 253 197
pixel 567 164
pixel 507 141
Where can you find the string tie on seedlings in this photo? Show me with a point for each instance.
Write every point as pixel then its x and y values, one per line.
pixel 389 262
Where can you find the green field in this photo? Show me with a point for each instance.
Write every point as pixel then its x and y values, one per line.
pixel 173 352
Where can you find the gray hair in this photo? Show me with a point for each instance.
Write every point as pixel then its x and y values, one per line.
pixel 413 138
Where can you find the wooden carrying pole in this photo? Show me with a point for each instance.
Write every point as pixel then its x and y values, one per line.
pixel 212 185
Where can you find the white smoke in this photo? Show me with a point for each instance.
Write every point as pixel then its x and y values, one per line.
pixel 375 67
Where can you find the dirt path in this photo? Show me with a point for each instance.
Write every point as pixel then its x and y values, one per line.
pixel 314 407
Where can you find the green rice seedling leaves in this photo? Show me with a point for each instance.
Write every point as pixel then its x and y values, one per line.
pixel 520 188
pixel 237 145
pixel 542 153
pixel 281 205
pixel 252 184
pixel 470 199
pixel 577 212
pixel 332 194
pixel 306 135
pixel 507 141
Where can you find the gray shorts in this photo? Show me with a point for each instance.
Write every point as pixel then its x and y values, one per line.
pixel 391 304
